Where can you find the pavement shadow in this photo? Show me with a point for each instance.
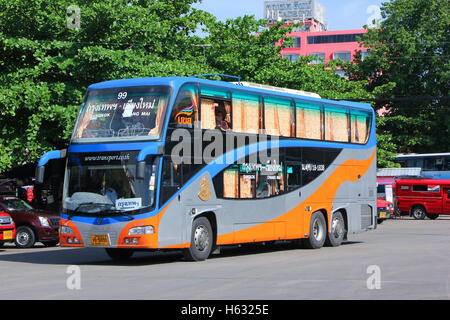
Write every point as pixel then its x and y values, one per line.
pixel 259 248
pixel 351 242
pixel 98 256
pixel 84 256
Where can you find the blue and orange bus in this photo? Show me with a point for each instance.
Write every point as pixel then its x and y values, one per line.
pixel 195 164
pixel 433 165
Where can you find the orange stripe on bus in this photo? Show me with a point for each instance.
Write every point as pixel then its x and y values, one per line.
pixel 147 241
pixel 295 223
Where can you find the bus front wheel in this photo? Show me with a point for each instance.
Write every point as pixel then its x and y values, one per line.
pixel 201 240
pixel 317 233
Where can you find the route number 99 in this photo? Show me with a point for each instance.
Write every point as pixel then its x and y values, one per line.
pixel 122 95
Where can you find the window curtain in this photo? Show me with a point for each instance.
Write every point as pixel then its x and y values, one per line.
pixel 246 187
pixel 83 124
pixel 309 123
pixel 359 128
pixel 159 116
pixel 194 99
pixel 246 113
pixel 278 117
pixel 336 126
pixel 208 116
pixel 230 184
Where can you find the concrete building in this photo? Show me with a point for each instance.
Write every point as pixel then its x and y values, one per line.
pixel 313 38
pixel 310 11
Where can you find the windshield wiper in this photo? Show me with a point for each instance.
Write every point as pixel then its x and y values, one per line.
pixel 87 204
pixel 124 214
pixel 110 210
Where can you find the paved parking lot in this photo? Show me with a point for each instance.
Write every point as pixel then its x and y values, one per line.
pixel 401 259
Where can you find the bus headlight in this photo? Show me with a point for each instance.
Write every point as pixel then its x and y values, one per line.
pixel 141 231
pixel 66 230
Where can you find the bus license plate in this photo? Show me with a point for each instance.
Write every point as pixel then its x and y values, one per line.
pixel 100 240
pixel 7 235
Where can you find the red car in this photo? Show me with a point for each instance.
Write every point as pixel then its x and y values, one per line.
pixel 423 197
pixel 385 210
pixel 7 229
pixel 31 225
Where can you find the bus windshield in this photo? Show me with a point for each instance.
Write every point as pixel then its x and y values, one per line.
pixel 130 113
pixel 106 182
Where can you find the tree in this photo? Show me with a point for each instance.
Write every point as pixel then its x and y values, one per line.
pixel 409 72
pixel 46 63
pixel 48 57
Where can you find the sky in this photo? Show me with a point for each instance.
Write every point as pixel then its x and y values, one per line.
pixel 340 14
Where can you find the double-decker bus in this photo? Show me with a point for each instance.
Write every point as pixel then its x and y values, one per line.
pixel 433 165
pixel 194 164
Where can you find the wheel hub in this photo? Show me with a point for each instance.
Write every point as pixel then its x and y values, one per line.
pixel 317 230
pixel 336 228
pixel 201 238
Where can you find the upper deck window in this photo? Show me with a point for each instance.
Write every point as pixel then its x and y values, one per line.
pixel 336 124
pixel 360 126
pixel 130 113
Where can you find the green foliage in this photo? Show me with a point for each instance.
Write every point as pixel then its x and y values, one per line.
pixel 410 61
pixel 45 66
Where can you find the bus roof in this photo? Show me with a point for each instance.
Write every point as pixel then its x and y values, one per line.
pixel 423 155
pixel 422 181
pixel 179 81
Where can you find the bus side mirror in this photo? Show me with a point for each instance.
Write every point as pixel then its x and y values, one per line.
pixel 40 173
pixel 51 155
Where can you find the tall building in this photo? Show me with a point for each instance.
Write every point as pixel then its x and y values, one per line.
pixel 309 12
pixel 313 38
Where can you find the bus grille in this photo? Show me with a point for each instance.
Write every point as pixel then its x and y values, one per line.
pixel 366 216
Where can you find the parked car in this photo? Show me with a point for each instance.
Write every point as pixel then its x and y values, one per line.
pixel 7 229
pixel 385 210
pixel 32 225
pixel 423 197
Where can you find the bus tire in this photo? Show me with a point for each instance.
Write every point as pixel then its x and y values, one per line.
pixel 317 231
pixel 119 254
pixel 432 216
pixel 201 240
pixel 418 212
pixel 336 236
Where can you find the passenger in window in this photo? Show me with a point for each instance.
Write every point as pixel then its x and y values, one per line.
pixel 220 120
pixel 263 190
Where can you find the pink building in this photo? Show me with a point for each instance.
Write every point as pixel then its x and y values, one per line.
pixel 313 37
pixel 325 45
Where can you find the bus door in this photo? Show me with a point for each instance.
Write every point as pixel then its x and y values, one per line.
pixel 171 183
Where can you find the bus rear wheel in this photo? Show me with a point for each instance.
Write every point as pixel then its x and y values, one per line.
pixel 336 236
pixel 201 240
pixel 317 233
